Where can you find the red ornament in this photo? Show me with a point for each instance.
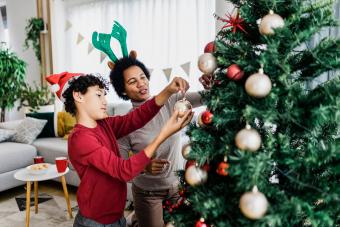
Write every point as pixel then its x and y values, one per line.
pixel 189 163
pixel 201 223
pixel 233 21
pixel 222 168
pixel 234 72
pixel 207 117
pixel 210 47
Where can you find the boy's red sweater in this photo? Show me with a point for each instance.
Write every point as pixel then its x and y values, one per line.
pixel 94 154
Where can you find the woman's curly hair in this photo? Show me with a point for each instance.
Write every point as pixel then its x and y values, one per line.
pixel 80 84
pixel 117 76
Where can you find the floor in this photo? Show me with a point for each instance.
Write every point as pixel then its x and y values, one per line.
pixel 52 211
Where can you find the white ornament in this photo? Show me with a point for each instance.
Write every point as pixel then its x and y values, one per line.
pixel 182 106
pixel 248 139
pixel 186 151
pixel 207 63
pixel 253 204
pixel 270 22
pixel 194 175
pixel 258 85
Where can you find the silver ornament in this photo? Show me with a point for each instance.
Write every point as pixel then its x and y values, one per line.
pixel 253 204
pixel 207 63
pixel 194 175
pixel 258 85
pixel 270 22
pixel 182 106
pixel 248 139
pixel 186 151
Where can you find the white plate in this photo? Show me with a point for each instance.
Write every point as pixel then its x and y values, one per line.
pixel 34 169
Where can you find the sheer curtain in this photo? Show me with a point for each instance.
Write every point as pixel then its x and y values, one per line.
pixel 165 34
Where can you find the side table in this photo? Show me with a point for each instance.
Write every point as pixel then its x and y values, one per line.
pixel 51 173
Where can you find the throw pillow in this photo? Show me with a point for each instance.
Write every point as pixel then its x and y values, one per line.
pixel 66 123
pixel 10 124
pixel 28 130
pixel 48 130
pixel 5 134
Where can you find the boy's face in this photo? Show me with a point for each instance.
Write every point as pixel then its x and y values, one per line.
pixel 136 84
pixel 94 103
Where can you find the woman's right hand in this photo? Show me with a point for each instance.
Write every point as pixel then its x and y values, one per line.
pixel 176 123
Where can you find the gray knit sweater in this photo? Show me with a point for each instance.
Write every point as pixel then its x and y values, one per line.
pixel 169 149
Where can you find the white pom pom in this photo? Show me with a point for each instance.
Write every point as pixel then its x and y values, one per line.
pixel 55 87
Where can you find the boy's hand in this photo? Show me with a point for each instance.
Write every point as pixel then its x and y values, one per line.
pixel 175 123
pixel 176 85
pixel 157 166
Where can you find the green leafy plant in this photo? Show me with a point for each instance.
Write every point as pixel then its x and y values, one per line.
pixel 33 29
pixel 34 97
pixel 12 76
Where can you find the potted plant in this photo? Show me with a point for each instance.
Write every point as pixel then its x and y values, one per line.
pixel 36 99
pixel 12 76
pixel 33 29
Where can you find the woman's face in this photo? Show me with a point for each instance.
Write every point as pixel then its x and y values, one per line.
pixel 136 84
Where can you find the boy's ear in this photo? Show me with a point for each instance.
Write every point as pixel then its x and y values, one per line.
pixel 78 97
pixel 111 65
pixel 133 54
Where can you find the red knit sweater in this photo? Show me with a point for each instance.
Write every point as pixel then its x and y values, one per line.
pixel 94 154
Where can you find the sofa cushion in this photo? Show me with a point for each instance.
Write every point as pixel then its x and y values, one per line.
pixel 28 130
pixel 50 148
pixel 48 130
pixel 15 156
pixel 5 134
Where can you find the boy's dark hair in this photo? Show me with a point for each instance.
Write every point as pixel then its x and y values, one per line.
pixel 81 84
pixel 117 76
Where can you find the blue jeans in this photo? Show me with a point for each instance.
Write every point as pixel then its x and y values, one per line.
pixel 81 221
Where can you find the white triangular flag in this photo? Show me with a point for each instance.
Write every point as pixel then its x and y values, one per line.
pixel 68 25
pixel 80 38
pixel 167 73
pixel 89 48
pixel 186 68
pixel 150 70
pixel 102 57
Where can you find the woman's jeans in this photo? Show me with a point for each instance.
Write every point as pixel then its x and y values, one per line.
pixel 81 221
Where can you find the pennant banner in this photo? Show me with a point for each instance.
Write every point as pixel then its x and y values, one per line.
pixel 150 70
pixel 167 73
pixel 68 25
pixel 186 68
pixel 89 48
pixel 102 57
pixel 80 38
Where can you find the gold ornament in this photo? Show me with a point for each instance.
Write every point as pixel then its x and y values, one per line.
pixel 170 224
pixel 207 63
pixel 182 106
pixel 186 151
pixel 270 22
pixel 194 175
pixel 248 139
pixel 258 85
pixel 253 204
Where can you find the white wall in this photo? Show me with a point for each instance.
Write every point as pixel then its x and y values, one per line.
pixel 18 12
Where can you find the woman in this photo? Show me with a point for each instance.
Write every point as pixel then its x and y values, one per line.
pixel 130 79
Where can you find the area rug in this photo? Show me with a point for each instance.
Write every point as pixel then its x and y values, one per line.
pixel 52 212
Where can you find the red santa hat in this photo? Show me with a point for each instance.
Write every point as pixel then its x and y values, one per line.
pixel 60 82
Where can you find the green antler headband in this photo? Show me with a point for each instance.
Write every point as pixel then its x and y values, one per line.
pixel 101 41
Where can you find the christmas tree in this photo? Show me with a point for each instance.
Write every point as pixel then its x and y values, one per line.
pixel 266 152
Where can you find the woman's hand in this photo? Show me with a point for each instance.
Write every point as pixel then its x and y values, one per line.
pixel 157 166
pixel 176 85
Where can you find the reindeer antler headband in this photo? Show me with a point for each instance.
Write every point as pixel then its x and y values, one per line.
pixel 101 42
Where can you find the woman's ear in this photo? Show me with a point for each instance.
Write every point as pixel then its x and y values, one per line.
pixel 111 65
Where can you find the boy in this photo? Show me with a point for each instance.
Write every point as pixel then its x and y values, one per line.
pixel 93 149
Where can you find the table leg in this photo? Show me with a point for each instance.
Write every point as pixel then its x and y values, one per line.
pixel 63 182
pixel 28 203
pixel 36 196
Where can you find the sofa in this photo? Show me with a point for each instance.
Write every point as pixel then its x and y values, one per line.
pixel 15 156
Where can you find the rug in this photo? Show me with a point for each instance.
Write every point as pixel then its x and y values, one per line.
pixel 52 212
